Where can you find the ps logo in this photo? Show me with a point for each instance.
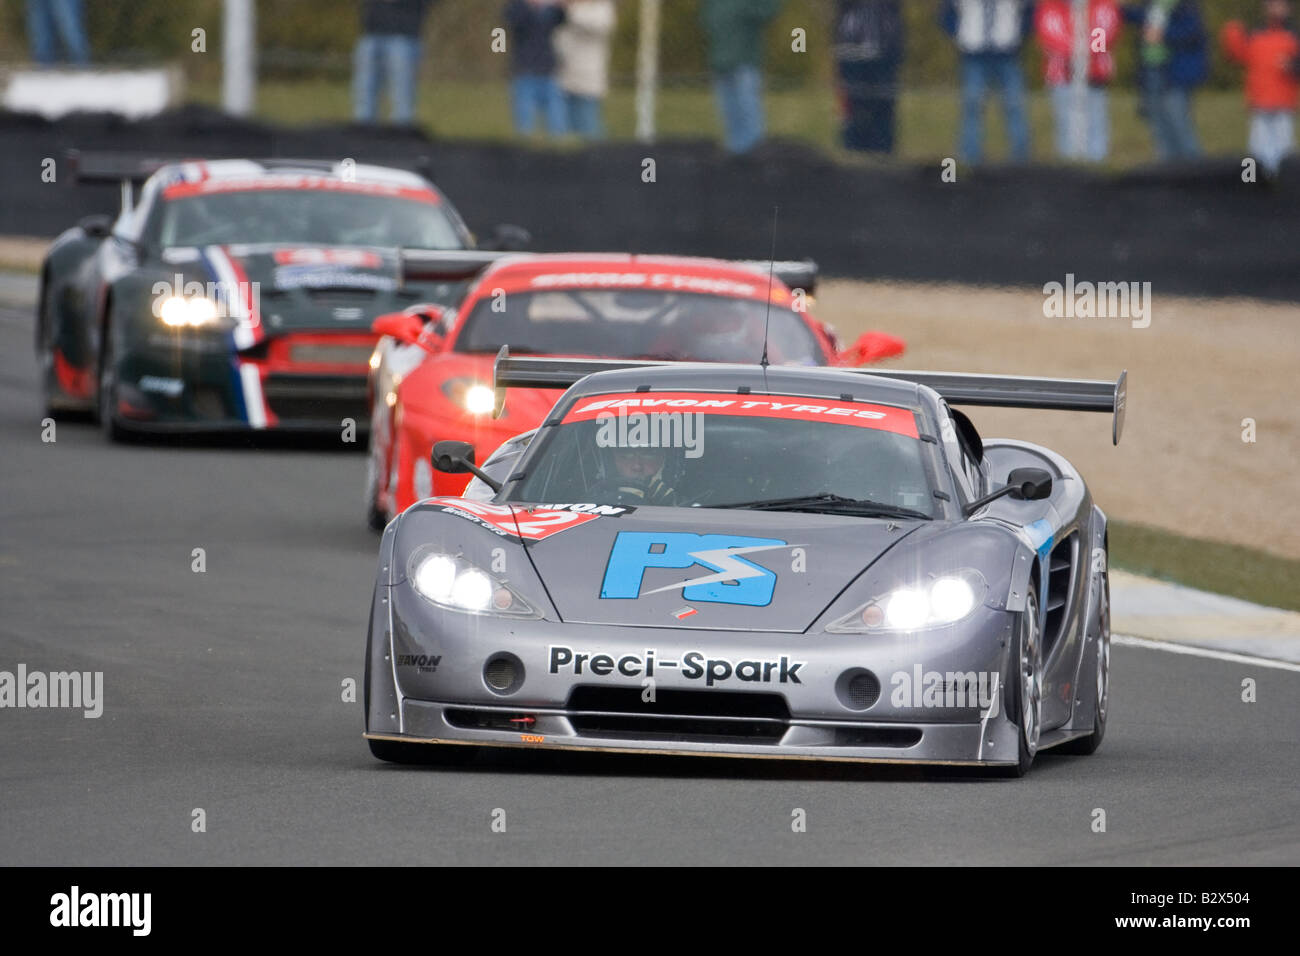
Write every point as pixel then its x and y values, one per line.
pixel 732 579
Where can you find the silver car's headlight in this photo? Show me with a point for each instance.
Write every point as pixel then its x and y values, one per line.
pixel 945 600
pixel 453 582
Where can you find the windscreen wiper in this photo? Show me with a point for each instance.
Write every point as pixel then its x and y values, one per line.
pixel 828 502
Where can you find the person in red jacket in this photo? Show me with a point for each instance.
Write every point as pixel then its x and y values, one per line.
pixel 1271 56
pixel 1054 24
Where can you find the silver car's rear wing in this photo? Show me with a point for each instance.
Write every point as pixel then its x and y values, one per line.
pixel 958 388
pixel 1017 391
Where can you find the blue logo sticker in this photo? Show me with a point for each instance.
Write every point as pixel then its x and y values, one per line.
pixel 731 579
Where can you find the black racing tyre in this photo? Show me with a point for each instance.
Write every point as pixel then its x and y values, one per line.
pixel 106 405
pixel 45 355
pixel 1101 685
pixel 1026 687
pixel 376 518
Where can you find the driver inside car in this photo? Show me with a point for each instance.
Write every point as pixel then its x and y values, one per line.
pixel 634 476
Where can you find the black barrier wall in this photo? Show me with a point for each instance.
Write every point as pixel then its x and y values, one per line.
pixel 1195 230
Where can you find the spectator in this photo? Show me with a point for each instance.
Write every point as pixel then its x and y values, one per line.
pixel 61 19
pixel 1054 22
pixel 1271 55
pixel 389 46
pixel 533 89
pixel 989 35
pixel 582 48
pixel 1173 61
pixel 868 53
pixel 735 33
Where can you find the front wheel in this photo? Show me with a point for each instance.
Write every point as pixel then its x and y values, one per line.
pixel 376 517
pixel 1026 690
pixel 106 411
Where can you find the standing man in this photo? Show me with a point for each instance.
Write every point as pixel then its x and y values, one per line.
pixel 989 35
pixel 50 20
pixel 1054 21
pixel 734 29
pixel 533 90
pixel 1271 56
pixel 1173 62
pixel 582 48
pixel 868 54
pixel 389 47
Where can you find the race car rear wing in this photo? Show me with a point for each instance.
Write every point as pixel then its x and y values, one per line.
pixel 796 274
pixel 427 265
pixel 437 265
pixel 958 388
pixel 104 167
pixel 1017 391
pixel 127 169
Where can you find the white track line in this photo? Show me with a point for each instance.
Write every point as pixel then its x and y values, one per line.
pixel 1172 648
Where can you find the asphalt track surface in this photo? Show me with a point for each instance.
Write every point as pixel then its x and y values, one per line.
pixel 223 692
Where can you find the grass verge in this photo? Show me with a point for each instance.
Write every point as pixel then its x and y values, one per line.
pixel 928 119
pixel 1207 565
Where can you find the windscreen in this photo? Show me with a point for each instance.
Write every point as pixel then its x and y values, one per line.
pixel 677 326
pixel 317 216
pixel 691 449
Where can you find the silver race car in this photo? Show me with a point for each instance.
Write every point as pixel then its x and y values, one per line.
pixel 751 561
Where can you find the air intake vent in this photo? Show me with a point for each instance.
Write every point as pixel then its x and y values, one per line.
pixel 1060 577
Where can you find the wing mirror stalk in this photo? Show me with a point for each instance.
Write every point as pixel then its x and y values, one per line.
pixel 1023 484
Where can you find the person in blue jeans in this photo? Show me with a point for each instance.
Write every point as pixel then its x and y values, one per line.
pixel 735 33
pixel 869 37
pixel 534 90
pixel 48 20
pixel 1173 60
pixel 989 36
pixel 389 47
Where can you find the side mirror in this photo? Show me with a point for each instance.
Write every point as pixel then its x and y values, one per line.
pixel 457 457
pixel 1029 484
pixel 870 347
pixel 400 325
pixel 452 457
pixel 1023 484
pixel 507 238
pixel 96 226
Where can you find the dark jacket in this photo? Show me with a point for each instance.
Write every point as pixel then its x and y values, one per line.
pixel 531 26
pixel 1188 62
pixel 393 16
pixel 869 31
pixel 735 31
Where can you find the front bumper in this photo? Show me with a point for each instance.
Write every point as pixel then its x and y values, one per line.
pixel 167 382
pixel 947 744
pixel 427 683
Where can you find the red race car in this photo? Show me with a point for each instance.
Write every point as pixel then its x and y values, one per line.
pixel 431 373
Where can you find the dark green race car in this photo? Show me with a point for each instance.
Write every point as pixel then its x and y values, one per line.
pixel 239 294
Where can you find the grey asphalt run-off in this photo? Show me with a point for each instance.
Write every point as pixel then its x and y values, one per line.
pixel 223 692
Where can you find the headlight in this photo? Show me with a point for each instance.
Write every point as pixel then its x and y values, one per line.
pixel 454 583
pixel 178 311
pixel 945 600
pixel 475 397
